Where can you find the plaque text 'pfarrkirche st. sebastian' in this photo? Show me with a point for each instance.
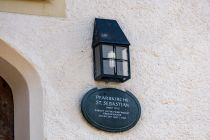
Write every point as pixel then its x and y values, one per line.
pixel 111 109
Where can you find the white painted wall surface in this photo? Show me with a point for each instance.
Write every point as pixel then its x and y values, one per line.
pixel 170 62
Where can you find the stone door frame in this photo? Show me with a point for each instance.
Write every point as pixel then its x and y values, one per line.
pixel 27 93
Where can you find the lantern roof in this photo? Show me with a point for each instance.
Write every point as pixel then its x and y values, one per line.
pixel 108 31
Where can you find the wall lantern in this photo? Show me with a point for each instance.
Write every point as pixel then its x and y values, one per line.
pixel 110 52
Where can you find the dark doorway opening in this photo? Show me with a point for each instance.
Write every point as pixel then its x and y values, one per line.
pixel 6 111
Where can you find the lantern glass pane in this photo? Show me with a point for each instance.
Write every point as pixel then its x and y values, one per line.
pixel 109 66
pixel 108 51
pixel 121 53
pixel 97 61
pixel 122 68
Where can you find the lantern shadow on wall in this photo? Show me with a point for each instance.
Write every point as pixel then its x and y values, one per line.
pixel 111 56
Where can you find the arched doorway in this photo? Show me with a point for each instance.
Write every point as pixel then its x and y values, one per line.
pixel 6 111
pixel 25 84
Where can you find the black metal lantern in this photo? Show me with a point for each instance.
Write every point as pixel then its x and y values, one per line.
pixel 110 51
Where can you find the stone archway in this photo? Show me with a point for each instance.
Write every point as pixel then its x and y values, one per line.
pixel 27 93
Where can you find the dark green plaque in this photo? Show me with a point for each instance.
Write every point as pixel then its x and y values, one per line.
pixel 111 109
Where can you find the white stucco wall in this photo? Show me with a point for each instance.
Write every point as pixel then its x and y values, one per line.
pixel 170 62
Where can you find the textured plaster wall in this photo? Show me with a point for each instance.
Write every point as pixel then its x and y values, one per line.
pixel 170 62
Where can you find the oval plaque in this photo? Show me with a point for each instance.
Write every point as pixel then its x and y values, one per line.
pixel 111 109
